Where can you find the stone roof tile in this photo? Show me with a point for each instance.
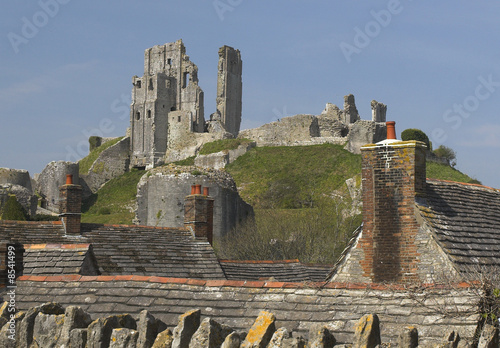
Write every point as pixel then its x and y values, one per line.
pixel 123 249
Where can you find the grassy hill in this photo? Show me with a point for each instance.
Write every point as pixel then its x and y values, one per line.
pixel 299 195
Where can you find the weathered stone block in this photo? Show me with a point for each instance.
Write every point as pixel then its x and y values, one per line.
pixel 367 332
pixel 320 337
pixel 123 338
pixel 232 340
pixel 489 337
pixel 210 334
pixel 47 329
pixel 147 327
pixel 51 178
pixel 261 332
pixel 78 338
pixel 164 339
pixel 408 338
pixel 187 326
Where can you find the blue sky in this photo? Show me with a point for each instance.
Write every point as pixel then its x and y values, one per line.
pixel 66 67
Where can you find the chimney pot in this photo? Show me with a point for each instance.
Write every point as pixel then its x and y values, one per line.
pixel 193 189
pixel 69 179
pixel 197 190
pixel 205 191
pixel 391 130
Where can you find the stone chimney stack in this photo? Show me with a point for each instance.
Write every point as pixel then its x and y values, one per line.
pixel 70 206
pixel 199 213
pixel 394 176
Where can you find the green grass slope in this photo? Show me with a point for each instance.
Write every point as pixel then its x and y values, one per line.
pixel 115 202
pixel 86 162
pixel 445 172
pixel 289 177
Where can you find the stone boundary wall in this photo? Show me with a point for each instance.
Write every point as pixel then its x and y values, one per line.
pixel 297 306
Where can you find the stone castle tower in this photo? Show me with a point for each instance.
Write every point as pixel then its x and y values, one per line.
pixel 167 104
pixel 169 84
pixel 229 89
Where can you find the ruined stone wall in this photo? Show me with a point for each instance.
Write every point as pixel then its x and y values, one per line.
pixel 18 177
pixel 111 163
pixel 161 195
pixel 298 307
pixel 51 178
pixel 229 89
pixel 170 83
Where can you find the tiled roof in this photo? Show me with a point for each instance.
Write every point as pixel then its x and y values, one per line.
pixel 284 271
pixel 53 259
pixel 122 249
pixel 237 303
pixel 466 221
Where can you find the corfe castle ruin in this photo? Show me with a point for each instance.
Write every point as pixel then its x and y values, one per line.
pixel 167 124
pixel 415 273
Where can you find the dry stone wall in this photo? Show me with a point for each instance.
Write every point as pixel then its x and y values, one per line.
pixel 297 307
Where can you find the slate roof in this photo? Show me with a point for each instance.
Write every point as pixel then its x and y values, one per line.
pixel 284 271
pixel 465 219
pixel 54 259
pixel 122 249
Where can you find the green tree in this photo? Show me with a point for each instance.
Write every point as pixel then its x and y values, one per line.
pixel 416 134
pixel 13 210
pixel 447 153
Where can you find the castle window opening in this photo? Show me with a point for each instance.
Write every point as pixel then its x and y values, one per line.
pixel 172 108
pixel 169 61
pixel 137 115
pixel 138 84
pixel 149 113
pixel 185 80
pixel 150 83
pixel 178 119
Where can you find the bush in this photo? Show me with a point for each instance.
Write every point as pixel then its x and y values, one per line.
pixel 317 235
pixel 416 134
pixel 104 211
pixel 13 210
pixel 447 153
pixel 43 217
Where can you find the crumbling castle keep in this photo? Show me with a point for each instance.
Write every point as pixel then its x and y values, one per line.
pixel 167 102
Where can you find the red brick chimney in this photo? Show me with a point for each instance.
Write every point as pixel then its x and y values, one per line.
pixel 199 213
pixel 394 175
pixel 70 206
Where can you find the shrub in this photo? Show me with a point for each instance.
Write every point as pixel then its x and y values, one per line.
pixel 13 210
pixel 104 211
pixel 446 153
pixel 44 217
pixel 316 235
pixel 416 134
pixel 185 162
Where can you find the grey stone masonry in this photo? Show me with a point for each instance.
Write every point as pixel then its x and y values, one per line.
pixel 229 89
pixel 296 306
pixel 170 83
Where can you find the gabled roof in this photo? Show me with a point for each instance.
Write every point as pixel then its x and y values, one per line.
pixel 58 259
pixel 465 220
pixel 122 249
pixel 283 271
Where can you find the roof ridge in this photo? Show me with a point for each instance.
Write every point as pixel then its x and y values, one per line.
pixel 464 183
pixel 260 261
pixel 56 246
pixel 236 283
